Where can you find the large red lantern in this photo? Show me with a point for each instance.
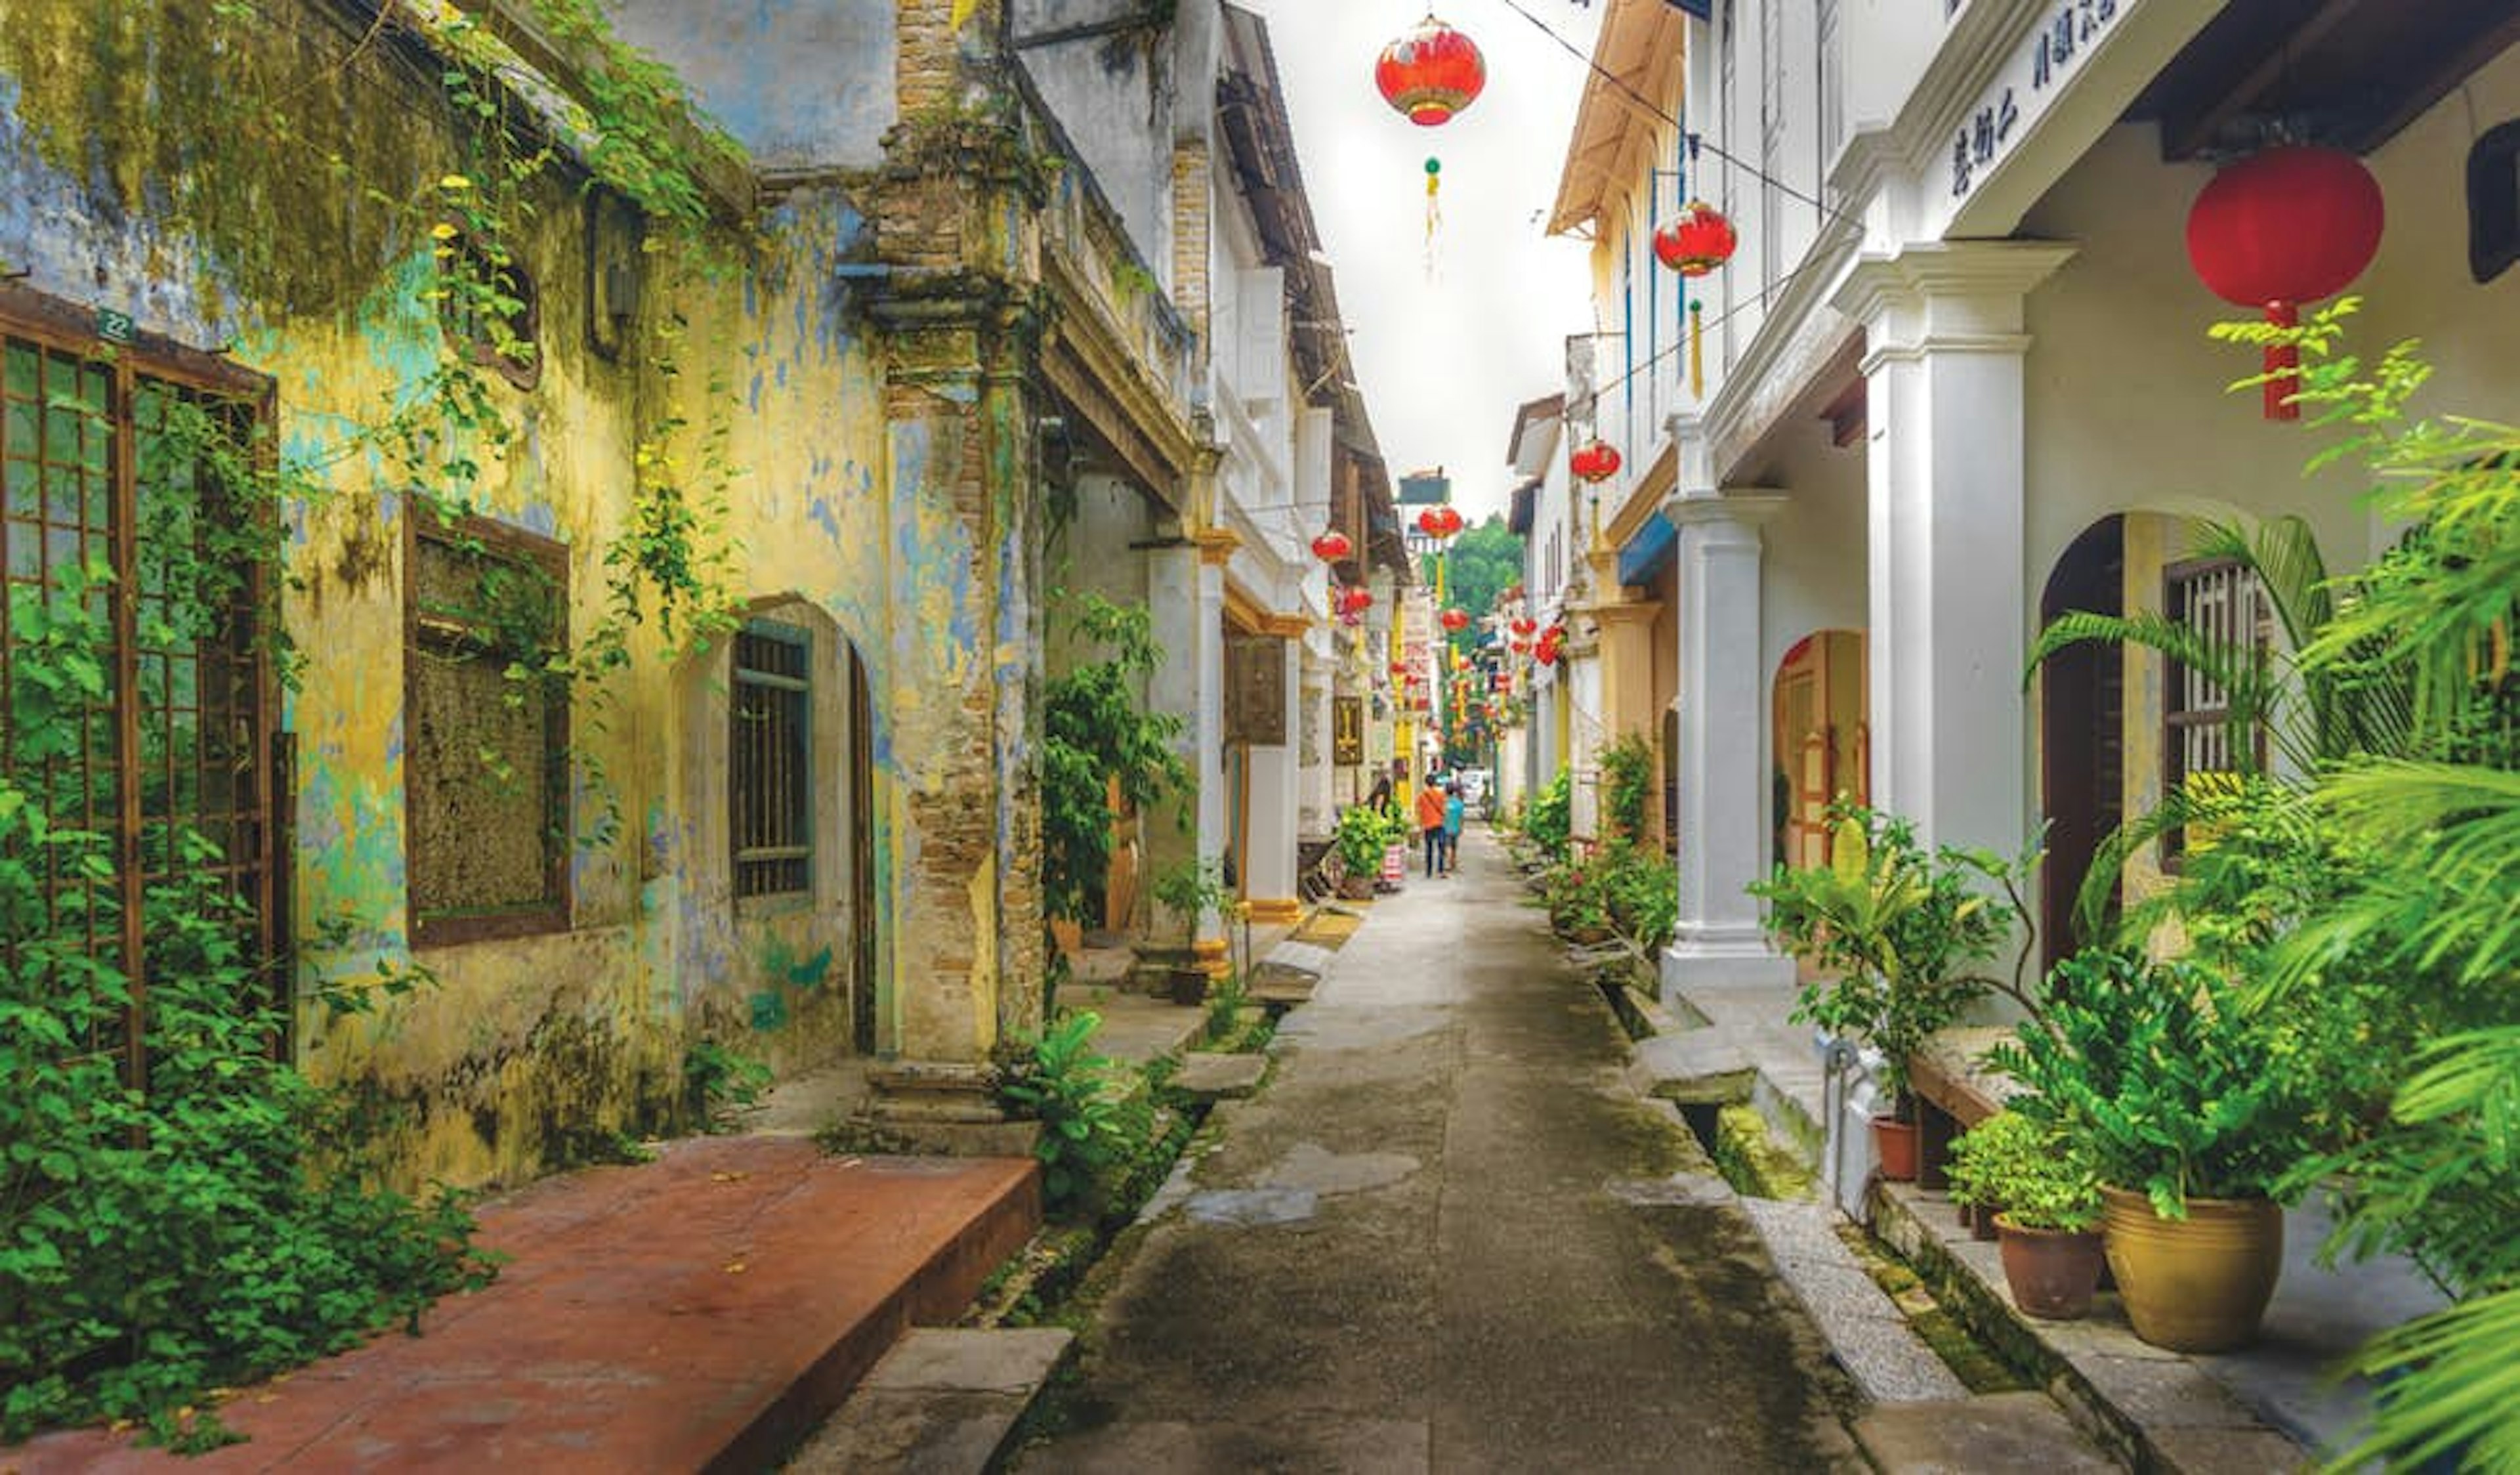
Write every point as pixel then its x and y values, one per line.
pixel 1695 241
pixel 2281 228
pixel 1332 546
pixel 1439 522
pixel 1596 462
pixel 1455 620
pixel 1430 73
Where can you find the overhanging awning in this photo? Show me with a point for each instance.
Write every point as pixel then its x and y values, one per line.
pixel 1645 551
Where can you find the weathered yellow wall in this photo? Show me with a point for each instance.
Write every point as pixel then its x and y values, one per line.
pixel 533 1050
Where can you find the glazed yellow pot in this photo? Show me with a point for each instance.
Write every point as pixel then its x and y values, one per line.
pixel 2198 1285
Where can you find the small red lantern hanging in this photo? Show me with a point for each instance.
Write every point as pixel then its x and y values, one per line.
pixel 2277 229
pixel 1332 546
pixel 1439 522
pixel 1547 654
pixel 1523 627
pixel 1522 647
pixel 1697 241
pixel 1354 600
pixel 1400 668
pixel 1431 72
pixel 1455 620
pixel 1596 462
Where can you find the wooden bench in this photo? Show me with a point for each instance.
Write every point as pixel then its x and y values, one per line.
pixel 1955 1090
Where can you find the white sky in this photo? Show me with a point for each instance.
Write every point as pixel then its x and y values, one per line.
pixel 1443 362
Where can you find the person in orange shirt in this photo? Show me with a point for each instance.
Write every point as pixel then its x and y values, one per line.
pixel 1431 821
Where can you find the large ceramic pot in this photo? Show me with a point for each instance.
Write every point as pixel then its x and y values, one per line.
pixel 1895 1142
pixel 2052 1272
pixel 2197 1284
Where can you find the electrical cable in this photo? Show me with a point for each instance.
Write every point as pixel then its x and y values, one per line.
pixel 1696 141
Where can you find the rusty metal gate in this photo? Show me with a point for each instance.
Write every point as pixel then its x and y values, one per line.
pixel 123 573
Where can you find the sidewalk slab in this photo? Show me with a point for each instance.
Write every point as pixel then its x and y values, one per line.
pixel 2004 1431
pixel 698 1313
pixel 941 1403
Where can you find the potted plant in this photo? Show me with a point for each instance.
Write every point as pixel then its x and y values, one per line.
pixel 2185 1103
pixel 1191 890
pixel 1891 925
pixel 2043 1191
pixel 1363 834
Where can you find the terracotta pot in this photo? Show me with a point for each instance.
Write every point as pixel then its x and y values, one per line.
pixel 1356 888
pixel 1068 935
pixel 1895 1142
pixel 2052 1272
pixel 2198 1285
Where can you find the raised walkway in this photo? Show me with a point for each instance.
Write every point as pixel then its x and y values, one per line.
pixel 698 1312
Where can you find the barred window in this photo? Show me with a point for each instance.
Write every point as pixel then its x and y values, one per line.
pixel 2221 602
pixel 488 732
pixel 770 771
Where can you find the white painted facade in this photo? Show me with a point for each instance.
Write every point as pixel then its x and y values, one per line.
pixel 2010 311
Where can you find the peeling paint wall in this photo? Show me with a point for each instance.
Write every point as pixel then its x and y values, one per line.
pixel 131 181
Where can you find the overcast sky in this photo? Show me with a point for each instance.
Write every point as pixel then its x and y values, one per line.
pixel 1443 362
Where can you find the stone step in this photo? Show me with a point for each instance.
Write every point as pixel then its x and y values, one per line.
pixel 1215 1077
pixel 2002 1431
pixel 941 1403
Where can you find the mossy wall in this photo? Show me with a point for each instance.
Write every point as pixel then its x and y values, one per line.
pixel 156 157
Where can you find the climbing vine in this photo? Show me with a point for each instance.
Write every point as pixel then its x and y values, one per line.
pixel 180 1209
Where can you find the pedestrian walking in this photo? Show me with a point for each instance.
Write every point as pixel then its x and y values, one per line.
pixel 1431 822
pixel 1453 816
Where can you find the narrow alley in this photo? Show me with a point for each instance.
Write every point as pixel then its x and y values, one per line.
pixel 1446 1237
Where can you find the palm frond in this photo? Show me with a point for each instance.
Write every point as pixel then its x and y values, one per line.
pixel 2452 1381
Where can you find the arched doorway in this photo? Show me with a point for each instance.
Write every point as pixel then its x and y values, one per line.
pixel 2082 725
pixel 1822 748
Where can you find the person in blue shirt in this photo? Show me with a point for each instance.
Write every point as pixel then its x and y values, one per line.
pixel 1453 825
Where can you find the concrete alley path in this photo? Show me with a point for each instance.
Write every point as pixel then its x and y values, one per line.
pixel 1446 1238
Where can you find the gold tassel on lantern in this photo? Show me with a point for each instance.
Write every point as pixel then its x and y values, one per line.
pixel 1696 350
pixel 1434 211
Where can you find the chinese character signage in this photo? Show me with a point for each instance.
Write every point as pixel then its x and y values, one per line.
pixel 2057 45
pixel 1347 731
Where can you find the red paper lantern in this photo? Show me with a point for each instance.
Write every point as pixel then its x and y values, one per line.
pixel 1356 600
pixel 1455 620
pixel 1400 668
pixel 1430 73
pixel 2281 228
pixel 1695 241
pixel 1439 522
pixel 1523 627
pixel 1547 654
pixel 1332 546
pixel 1596 462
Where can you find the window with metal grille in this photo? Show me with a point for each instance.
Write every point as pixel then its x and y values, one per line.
pixel 136 691
pixel 485 769
pixel 770 769
pixel 2220 600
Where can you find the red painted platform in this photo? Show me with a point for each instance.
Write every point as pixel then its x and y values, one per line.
pixel 702 1311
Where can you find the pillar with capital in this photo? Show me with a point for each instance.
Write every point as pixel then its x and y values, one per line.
pixel 1721 761
pixel 1950 617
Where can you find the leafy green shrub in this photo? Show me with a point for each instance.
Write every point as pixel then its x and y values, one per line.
pixel 1546 821
pixel 1095 730
pixel 1641 891
pixel 716 1078
pixel 1627 788
pixel 1363 833
pixel 2178 1090
pixel 1895 924
pixel 217 1225
pixel 2041 1177
pixel 1095 1116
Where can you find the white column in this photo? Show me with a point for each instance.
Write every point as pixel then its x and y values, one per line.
pixel 1951 613
pixel 1722 736
pixel 1184 626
